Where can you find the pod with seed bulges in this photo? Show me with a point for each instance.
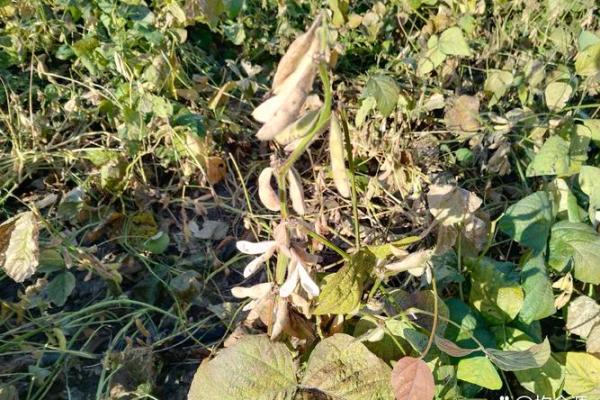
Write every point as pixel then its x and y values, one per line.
pixel 336 152
pixel 265 191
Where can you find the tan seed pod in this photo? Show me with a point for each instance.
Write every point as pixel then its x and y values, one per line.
pixel 296 192
pixel 265 191
pixel 336 152
pixel 294 54
pixel 266 110
pixel 298 128
pixel 284 116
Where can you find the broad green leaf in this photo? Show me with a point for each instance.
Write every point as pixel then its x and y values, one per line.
pixel 589 181
pixel 480 371
pixel 254 369
pixel 582 315
pixel 453 43
pixel 539 298
pixel 582 375
pixel 495 289
pixel 471 325
pixel 557 94
pixel 399 300
pixel 60 287
pixel 579 243
pixel 387 348
pixel 366 106
pixel 412 380
pixel 552 159
pixel 587 62
pixel 529 220
pixel 158 243
pixel 517 360
pixel 342 291
pixel 19 246
pixel 544 381
pixel 343 368
pixel 385 91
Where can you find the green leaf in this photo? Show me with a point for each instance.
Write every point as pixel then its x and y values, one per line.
pixel 253 369
pixel 579 243
pixel 400 300
pixel 582 374
pixel 453 43
pixel 342 291
pixel 60 287
pixel 158 243
pixel 480 371
pixel 529 220
pixel 539 298
pixel 385 91
pixel 495 289
pixel 544 381
pixel 471 325
pixel 552 159
pixel 593 126
pixel 343 368
pixel 517 360
pixel 587 62
pixel 589 181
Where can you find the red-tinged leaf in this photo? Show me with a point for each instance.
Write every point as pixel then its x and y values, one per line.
pixel 412 380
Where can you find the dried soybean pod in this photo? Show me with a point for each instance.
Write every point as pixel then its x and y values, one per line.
pixel 296 192
pixel 265 191
pixel 266 110
pixel 298 128
pixel 290 60
pixel 336 152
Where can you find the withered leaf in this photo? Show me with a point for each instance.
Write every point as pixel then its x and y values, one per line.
pixel 412 380
pixel 19 246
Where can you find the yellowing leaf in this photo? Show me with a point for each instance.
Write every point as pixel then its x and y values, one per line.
pixel 557 95
pixel 412 380
pixel 479 371
pixel 342 291
pixel 582 375
pixel 253 369
pixel 342 367
pixel 587 62
pixel 452 42
pixel 19 246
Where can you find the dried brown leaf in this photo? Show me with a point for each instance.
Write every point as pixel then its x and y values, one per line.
pixel 19 246
pixel 462 115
